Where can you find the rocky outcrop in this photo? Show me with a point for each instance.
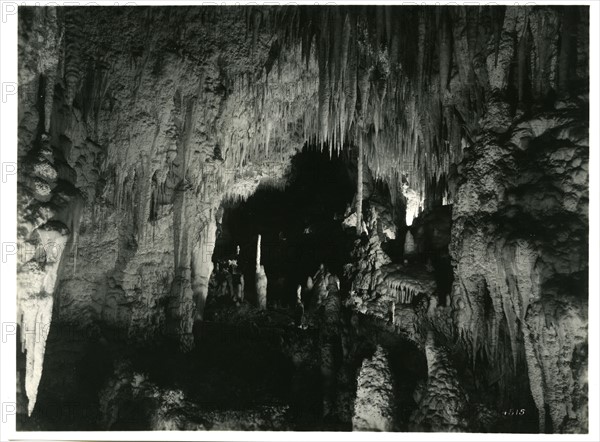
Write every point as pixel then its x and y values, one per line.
pixel 519 243
pixel 365 271
pixel 384 290
pixel 442 404
pixel 374 404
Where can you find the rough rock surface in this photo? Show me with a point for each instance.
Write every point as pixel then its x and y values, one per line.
pixel 373 407
pixel 442 405
pixel 520 266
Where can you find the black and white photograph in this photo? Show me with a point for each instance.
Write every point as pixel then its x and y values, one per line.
pixel 299 217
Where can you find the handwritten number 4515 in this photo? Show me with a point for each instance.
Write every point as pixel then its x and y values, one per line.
pixel 514 412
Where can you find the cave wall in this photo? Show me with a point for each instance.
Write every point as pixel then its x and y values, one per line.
pixel 128 145
pixel 520 220
pixel 519 247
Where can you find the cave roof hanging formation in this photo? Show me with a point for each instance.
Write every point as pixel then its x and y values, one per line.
pixel 137 123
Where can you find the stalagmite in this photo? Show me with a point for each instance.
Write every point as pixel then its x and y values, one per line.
pixel 322 292
pixel 409 244
pixel 374 405
pixel 258 251
pixel 35 308
pixel 442 406
pixel 299 309
pixel 359 187
pixel 261 279
pixel 433 303
pixel 239 288
pixel 309 283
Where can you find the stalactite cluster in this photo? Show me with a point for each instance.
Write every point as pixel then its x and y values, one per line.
pixel 377 85
pixel 411 85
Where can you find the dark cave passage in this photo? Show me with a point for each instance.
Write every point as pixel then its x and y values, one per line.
pixel 300 225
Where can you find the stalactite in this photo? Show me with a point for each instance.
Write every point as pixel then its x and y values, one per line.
pixel 545 29
pixel 258 247
pixel 522 60
pixel 268 137
pixel 363 84
pixel 75 251
pixel 473 19
pixel 345 44
pixel 497 18
pixel 425 124
pixel 50 61
pixel 335 56
pixel 351 83
pixel 566 51
pixel 421 36
pixel 256 21
pixel 445 51
pixel 72 67
pixel 324 85
pixel 359 186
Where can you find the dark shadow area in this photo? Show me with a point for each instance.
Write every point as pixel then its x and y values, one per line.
pixel 300 225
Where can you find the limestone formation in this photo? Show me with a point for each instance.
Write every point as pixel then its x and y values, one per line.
pixel 409 244
pixel 374 404
pixel 442 406
pixel 239 288
pixel 261 279
pixel 467 127
pixel 261 288
pixel 299 309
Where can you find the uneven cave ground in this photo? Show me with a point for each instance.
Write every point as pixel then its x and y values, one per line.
pixel 254 369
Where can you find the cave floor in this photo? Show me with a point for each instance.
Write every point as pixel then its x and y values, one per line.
pixel 251 367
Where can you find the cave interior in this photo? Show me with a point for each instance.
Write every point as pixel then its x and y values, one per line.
pixel 349 218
